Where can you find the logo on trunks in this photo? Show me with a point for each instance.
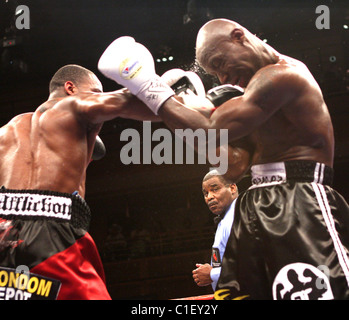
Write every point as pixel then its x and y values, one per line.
pixel 267 179
pixel 35 205
pixel 20 284
pixel 302 281
pixel 129 70
pixel 225 294
pixel 5 235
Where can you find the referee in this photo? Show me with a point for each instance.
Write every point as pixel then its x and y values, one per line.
pixel 220 196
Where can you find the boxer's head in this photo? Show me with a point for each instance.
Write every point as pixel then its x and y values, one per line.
pixel 229 51
pixel 218 192
pixel 72 79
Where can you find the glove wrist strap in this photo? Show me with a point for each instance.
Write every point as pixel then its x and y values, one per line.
pixel 154 93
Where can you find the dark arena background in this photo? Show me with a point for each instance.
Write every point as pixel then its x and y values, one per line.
pixel 149 221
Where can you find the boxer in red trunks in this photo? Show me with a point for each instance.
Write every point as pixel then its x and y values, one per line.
pixel 43 216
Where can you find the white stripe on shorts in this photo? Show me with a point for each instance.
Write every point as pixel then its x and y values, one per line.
pixel 319 172
pixel 326 213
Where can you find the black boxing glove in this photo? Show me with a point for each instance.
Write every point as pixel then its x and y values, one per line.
pixel 219 95
pixel 99 150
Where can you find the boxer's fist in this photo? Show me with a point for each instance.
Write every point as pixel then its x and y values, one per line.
pixel 128 63
pixel 131 65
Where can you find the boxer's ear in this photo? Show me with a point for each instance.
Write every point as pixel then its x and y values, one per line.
pixel 70 88
pixel 237 34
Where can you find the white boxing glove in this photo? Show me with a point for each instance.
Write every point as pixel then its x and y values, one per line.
pixel 181 81
pixel 131 65
pixel 188 86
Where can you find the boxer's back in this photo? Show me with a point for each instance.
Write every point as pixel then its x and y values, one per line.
pixel 45 150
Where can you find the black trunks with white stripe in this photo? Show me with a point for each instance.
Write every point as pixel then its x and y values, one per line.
pixel 290 236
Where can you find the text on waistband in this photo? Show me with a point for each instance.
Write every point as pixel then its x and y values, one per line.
pixel 35 205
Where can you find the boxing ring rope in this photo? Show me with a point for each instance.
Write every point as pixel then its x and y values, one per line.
pixel 203 297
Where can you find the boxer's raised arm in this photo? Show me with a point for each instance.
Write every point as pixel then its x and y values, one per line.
pixel 101 107
pixel 130 64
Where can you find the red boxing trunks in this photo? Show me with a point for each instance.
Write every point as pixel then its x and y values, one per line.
pixel 45 250
pixel 290 237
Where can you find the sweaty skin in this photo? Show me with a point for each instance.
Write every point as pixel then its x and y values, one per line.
pixel 282 115
pixel 50 149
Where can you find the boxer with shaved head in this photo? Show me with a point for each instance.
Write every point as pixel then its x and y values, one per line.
pixel 290 223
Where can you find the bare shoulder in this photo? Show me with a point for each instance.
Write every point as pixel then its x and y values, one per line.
pixel 20 118
pixel 53 108
pixel 288 72
pixel 70 112
pixel 278 84
pixel 56 114
pixel 18 125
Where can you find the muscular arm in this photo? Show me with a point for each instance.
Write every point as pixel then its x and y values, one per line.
pixel 267 92
pixel 97 108
pixel 238 154
pixel 239 159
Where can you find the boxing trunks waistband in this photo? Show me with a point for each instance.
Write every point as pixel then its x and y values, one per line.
pixel 44 204
pixel 269 174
